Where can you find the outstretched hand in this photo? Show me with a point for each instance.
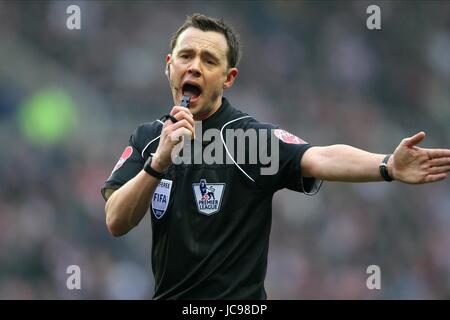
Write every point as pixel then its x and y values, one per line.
pixel 411 164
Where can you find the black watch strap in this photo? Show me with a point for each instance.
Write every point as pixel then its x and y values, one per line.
pixel 148 168
pixel 384 169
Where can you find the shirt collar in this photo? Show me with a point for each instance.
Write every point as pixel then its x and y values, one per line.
pixel 218 118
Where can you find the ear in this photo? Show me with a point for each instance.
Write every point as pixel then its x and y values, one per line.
pixel 168 58
pixel 231 75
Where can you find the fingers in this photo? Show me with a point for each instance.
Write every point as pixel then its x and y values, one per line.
pixel 184 123
pixel 177 135
pixel 438 170
pixel 436 162
pixel 438 153
pixel 175 109
pixel 182 113
pixel 184 119
pixel 435 177
pixel 415 139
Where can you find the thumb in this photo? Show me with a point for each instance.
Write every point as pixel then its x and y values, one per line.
pixel 415 139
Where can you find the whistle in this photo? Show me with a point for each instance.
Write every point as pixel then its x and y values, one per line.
pixel 185 101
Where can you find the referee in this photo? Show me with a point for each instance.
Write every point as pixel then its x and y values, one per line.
pixel 211 222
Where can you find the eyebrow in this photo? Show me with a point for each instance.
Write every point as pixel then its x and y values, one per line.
pixel 210 55
pixel 206 53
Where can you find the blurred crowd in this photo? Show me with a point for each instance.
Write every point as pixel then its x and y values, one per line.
pixel 312 67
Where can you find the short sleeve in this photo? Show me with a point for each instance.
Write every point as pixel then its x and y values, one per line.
pixel 127 167
pixel 287 151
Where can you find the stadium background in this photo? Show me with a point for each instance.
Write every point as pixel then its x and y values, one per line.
pixel 70 99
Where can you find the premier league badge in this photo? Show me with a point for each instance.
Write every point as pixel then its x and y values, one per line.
pixel 161 197
pixel 208 196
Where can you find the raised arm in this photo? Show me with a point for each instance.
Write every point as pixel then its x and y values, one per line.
pixel 126 206
pixel 408 164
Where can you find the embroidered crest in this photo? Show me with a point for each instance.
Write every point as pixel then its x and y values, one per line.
pixel 208 196
pixel 288 137
pixel 161 198
pixel 125 155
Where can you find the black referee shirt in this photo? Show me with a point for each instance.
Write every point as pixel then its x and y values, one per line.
pixel 211 222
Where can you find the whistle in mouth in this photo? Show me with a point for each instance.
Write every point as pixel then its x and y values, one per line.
pixel 185 101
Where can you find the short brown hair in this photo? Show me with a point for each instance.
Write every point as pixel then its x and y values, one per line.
pixel 204 23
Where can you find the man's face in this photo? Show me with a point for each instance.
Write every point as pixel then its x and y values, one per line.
pixel 199 68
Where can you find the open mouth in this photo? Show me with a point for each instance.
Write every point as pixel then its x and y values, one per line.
pixel 191 90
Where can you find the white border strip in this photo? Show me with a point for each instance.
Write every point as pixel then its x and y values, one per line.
pixel 226 149
pixel 143 150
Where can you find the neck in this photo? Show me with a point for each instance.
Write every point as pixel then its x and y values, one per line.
pixel 210 112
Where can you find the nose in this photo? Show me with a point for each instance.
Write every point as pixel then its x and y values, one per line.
pixel 194 68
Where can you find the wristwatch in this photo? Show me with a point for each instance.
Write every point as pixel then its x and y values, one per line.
pixel 384 169
pixel 148 168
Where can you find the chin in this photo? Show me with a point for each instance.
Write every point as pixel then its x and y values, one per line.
pixel 197 110
pixel 196 106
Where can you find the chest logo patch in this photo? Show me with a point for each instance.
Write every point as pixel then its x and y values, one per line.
pixel 161 197
pixel 208 196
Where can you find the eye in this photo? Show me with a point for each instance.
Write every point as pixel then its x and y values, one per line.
pixel 211 62
pixel 184 56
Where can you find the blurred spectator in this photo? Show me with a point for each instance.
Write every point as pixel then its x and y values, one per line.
pixel 311 67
